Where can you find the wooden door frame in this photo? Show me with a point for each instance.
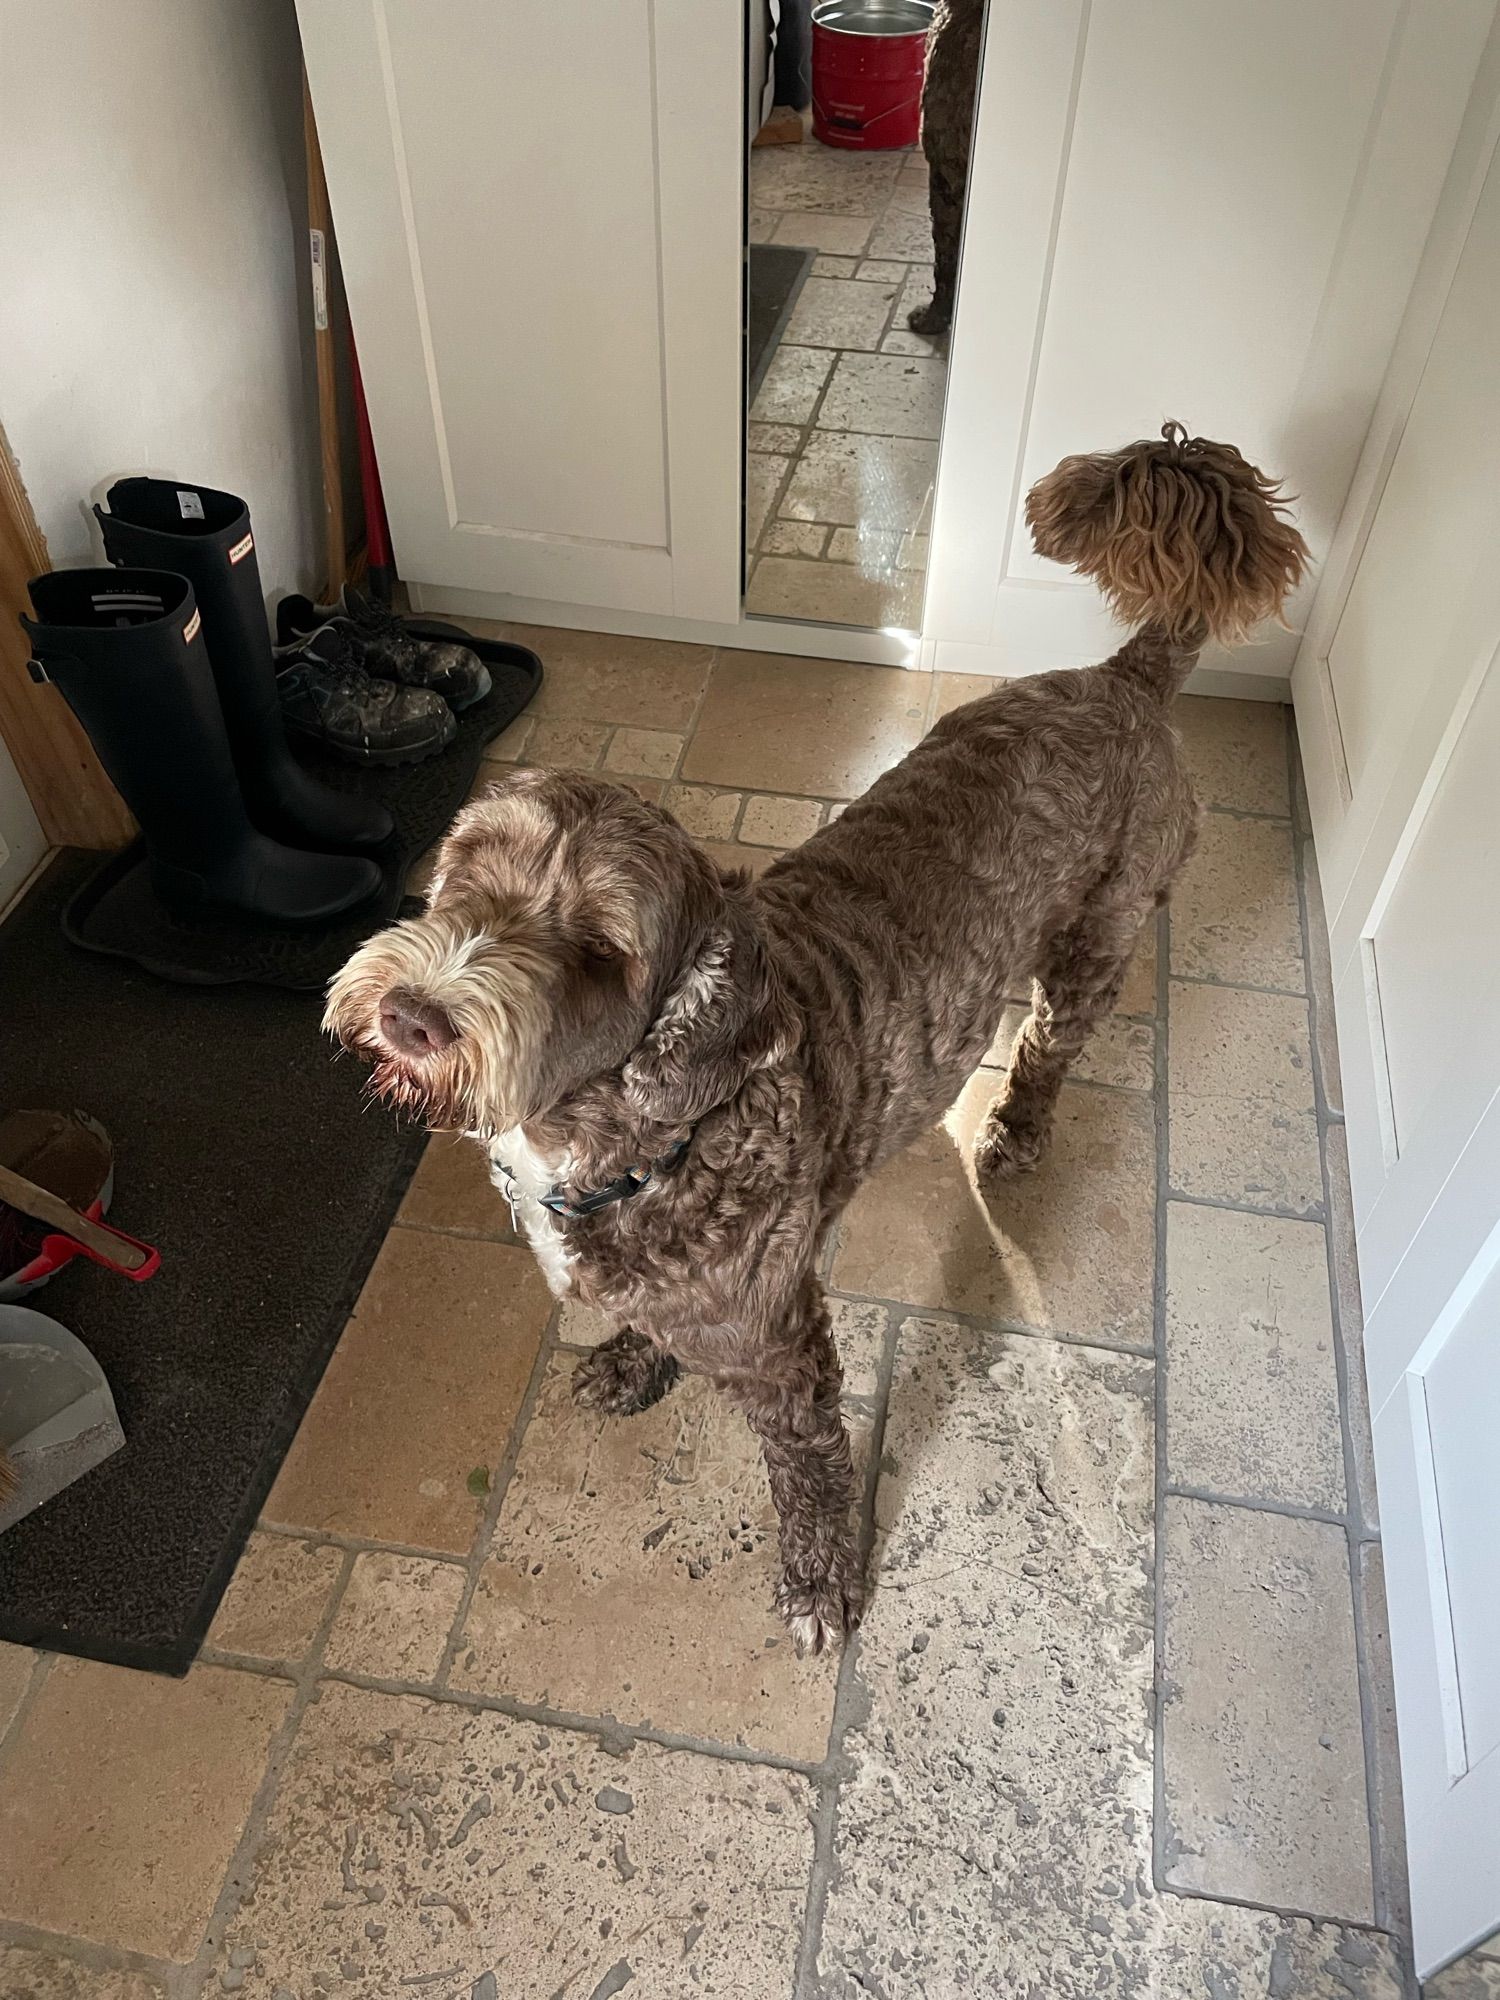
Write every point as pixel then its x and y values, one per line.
pixel 70 795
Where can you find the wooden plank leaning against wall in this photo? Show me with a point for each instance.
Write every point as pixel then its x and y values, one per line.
pixel 75 802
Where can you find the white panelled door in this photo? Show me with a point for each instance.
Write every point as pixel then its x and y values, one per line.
pixel 1178 208
pixel 1398 702
pixel 539 211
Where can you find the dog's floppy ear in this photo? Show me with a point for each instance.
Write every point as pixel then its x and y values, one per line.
pixel 724 1019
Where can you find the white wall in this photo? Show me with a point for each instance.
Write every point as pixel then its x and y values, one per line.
pixel 153 287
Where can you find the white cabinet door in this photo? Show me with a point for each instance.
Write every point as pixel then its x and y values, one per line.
pixel 1398 702
pixel 1178 208
pixel 539 211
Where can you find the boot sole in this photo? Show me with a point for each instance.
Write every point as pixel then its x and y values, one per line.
pixel 417 754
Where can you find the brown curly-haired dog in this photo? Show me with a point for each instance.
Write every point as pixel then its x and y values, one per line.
pixel 680 1077
pixel 953 51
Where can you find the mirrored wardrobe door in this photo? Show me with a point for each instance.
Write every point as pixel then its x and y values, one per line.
pixel 861 114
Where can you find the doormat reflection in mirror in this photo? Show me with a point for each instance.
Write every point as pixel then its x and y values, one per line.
pixel 778 271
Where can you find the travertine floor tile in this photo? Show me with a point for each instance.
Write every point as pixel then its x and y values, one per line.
pixel 776 822
pixel 823 178
pixel 643 753
pixel 1476 1976
pixel 46 1975
pixel 1242 1121
pixel 1138 994
pixel 764 472
pixel 877 552
pixel 707 814
pixel 834 594
pixel 903 234
pixel 1120 1051
pixel 886 395
pixel 452 1190
pixel 841 313
pixel 423 1387
pixel 840 235
pixel 1262 1751
pixel 825 266
pixel 854 481
pixel 1068 1250
pixel 792 385
pixel 1252 1390
pixel 564 745
pixel 785 438
pixel 859 1333
pixel 631 1575
pixel 276 1598
pixel 601 677
pixel 16 1664
pixel 411 1838
pixel 794 538
pixel 395 1616
pixel 1236 751
pixel 916 291
pixel 1234 907
pixel 993 1834
pixel 123 1797
pixel 729 855
pixel 776 724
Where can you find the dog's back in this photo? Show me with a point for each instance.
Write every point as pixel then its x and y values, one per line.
pixel 1028 837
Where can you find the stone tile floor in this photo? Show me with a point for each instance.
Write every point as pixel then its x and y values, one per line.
pixel 843 434
pixel 496 1707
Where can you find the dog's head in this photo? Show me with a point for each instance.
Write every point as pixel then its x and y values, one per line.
pixel 571 931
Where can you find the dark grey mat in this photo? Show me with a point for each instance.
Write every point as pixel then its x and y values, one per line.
pixel 778 271
pixel 242 1154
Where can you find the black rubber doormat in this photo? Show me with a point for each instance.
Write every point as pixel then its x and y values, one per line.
pixel 778 271
pixel 115 912
pixel 242 1154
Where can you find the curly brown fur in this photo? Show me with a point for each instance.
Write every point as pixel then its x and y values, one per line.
pixel 612 993
pixel 1177 531
pixel 953 48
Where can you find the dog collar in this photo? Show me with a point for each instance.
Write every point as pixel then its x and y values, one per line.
pixel 628 1184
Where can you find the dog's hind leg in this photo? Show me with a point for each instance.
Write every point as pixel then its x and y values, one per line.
pixel 1075 987
pixel 793 1408
pixel 624 1375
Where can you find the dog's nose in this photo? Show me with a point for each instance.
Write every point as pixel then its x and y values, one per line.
pixel 415 1026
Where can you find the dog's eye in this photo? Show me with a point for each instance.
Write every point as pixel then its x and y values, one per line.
pixel 599 950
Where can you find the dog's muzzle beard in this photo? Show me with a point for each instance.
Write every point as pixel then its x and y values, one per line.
pixel 491 989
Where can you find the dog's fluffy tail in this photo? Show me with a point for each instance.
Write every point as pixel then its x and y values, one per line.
pixel 1181 535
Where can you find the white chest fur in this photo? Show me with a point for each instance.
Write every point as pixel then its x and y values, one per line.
pixel 523 1175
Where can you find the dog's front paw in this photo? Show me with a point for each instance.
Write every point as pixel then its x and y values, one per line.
pixel 822 1609
pixel 1003 1150
pixel 623 1375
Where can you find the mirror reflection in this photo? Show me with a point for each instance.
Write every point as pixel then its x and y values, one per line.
pixel 860 114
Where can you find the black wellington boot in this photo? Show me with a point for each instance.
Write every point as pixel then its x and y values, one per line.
pixel 205 536
pixel 126 647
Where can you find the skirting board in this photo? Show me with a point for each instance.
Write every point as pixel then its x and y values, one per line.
pixel 776 635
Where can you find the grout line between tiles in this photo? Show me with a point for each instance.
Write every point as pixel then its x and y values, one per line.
pixel 607 1729
pixel 90 1953
pixel 11 1734
pixel 806 1984
pixel 1356 1525
pixel 1275 1208
pixel 484 1534
pixel 977 1323
pixel 1239 986
pixel 1292 1510
pixel 1162 1102
pixel 237 1875
pixel 335 1538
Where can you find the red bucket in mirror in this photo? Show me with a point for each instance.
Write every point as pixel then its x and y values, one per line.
pixel 869 57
